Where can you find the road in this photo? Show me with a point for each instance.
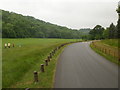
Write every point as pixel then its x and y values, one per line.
pixel 80 67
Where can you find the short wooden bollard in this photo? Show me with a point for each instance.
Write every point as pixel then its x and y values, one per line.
pixel 13 45
pixel 48 58
pixel 50 55
pixel 46 62
pixel 119 59
pixel 54 51
pixel 42 68
pixel 105 51
pixel 35 76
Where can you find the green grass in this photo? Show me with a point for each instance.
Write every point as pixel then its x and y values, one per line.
pixel 111 42
pixel 107 56
pixel 27 55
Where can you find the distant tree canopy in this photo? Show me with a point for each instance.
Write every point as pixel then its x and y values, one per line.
pixel 111 32
pixel 118 24
pixel 97 32
pixel 19 26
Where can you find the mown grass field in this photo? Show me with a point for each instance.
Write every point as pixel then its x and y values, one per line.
pixel 112 49
pixel 18 63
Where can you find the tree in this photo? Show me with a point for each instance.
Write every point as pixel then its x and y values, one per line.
pixel 19 26
pixel 118 23
pixel 106 33
pixel 96 32
pixel 112 29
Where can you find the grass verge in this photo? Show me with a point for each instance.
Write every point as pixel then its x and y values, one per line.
pixel 108 57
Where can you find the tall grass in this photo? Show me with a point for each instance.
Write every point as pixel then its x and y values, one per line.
pixel 112 42
pixel 27 55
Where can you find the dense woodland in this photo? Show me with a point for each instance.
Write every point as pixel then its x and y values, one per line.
pixel 19 26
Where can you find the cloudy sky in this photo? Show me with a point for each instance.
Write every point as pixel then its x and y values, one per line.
pixel 74 14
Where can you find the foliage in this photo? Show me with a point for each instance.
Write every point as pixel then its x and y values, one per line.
pixel 111 32
pixel 19 26
pixel 118 25
pixel 85 31
pixel 111 42
pixel 97 32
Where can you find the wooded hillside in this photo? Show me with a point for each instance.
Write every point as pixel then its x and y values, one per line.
pixel 19 26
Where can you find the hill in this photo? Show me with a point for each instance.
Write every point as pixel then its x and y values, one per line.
pixel 85 31
pixel 18 26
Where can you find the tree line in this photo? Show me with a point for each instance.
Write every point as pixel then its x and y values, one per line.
pixel 111 32
pixel 18 26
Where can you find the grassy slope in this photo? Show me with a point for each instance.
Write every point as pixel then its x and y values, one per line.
pixel 20 62
pixel 113 43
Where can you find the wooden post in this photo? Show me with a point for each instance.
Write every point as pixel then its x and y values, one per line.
pixel 54 51
pixel 13 45
pixel 50 55
pixel 48 58
pixel 42 68
pixel 105 51
pixel 118 59
pixel 35 76
pixel 46 62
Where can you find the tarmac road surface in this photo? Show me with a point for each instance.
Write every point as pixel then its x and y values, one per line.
pixel 80 67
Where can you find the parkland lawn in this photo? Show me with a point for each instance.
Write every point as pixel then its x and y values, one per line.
pixel 20 62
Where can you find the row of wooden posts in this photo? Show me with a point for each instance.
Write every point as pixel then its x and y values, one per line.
pixel 107 51
pixel 36 79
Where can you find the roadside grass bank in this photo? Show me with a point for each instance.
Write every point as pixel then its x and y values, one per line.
pixel 20 62
pixel 109 51
pixel 111 42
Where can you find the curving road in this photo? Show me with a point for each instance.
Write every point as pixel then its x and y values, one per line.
pixel 80 67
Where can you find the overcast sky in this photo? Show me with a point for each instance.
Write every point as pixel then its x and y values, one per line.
pixel 74 14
